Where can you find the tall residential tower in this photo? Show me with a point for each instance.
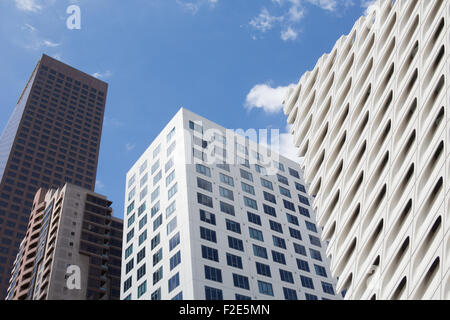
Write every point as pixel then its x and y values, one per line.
pixel 52 137
pixel 209 215
pixel 72 248
pixel 372 121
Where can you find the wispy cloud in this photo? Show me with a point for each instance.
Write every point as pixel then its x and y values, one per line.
pixel 103 75
pixel 290 14
pixel 194 6
pixel 130 147
pixel 28 5
pixel 265 97
pixel 99 185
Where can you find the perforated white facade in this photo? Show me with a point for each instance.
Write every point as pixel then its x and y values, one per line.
pixel 372 122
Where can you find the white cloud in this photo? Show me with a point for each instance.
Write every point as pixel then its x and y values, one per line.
pixel 267 98
pixel 194 5
pixel 289 34
pixel 103 75
pixel 99 185
pixel 28 5
pixel 130 147
pixel 287 147
pixel 369 5
pixel 264 21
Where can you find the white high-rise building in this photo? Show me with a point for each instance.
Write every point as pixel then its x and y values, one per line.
pixel 372 121
pixel 200 229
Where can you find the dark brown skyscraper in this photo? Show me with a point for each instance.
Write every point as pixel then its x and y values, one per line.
pixel 52 137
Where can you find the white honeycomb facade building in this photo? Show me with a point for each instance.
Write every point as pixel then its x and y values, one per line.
pixel 373 125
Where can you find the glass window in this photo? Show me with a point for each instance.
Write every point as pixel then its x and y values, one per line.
pixel 213 294
pixel 303 265
pixel 307 282
pixel 254 218
pixel 263 269
pixel 240 281
pixel 285 192
pixel 236 244
pixel 207 217
pixel 327 288
pixel 266 184
pixel 246 175
pixel 256 234
pixel 269 210
pixel 248 188
pixel 227 208
pixel 203 184
pixel 260 251
pixel 320 271
pixel 226 193
pixel 250 203
pixel 278 257
pixel 213 274
pixel 174 241
pixel 207 234
pixel 234 261
pixel 279 242
pixel 174 282
pixel 204 200
pixel 226 179
pixel 175 260
pixel 233 226
pixel 203 170
pixel 290 294
pixel 265 288
pixel 210 253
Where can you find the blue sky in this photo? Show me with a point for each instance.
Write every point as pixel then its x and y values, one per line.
pixel 227 60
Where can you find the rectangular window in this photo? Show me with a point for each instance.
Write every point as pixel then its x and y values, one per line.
pixel 279 242
pixel 263 269
pixel 265 288
pixel 210 253
pixel 157 257
pixel 236 244
pixel 207 217
pixel 315 254
pixel 290 294
pixel 171 148
pixel 234 261
pixel 171 226
pixel 168 165
pixel 140 255
pixel 213 294
pixel 233 226
pixel 157 275
pixel 294 173
pixel 282 179
pixel 156 295
pixel 300 187
pixel 304 211
pixel 175 260
pixel 142 237
pixel 246 175
pixel 226 193
pixel 248 188
pixel 327 288
pixel 213 274
pixel 155 194
pixel 155 241
pixel 320 271
pixel 227 208
pixel 286 276
pixel 207 234
pixel 289 205
pixel 250 203
pixel 292 219
pixel 203 170
pixel 157 222
pixel 155 209
pixel 174 282
pixel 204 200
pixel 155 167
pixel 141 272
pixel 278 257
pixel 223 166
pixel 295 233
pixel 285 192
pixel 269 197
pixel 226 179
pixel 203 184
pixel 311 226
pixel 269 210
pixel 303 199
pixel 256 234
pixel 171 209
pixel 172 191
pixel 315 241
pixel 170 135
pixel 254 218
pixel 241 281
pixel 128 251
pixel 174 241
pixel 303 265
pixel 127 284
pixel 142 222
pixel 275 226
pixel 170 178
pixel 157 178
pixel 260 252
pixel 266 184
pixel 307 282
pixel 196 127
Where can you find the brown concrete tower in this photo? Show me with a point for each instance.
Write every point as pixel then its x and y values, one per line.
pixel 52 137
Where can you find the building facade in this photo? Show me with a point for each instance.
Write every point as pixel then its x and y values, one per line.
pixel 71 234
pixel 209 216
pixel 371 120
pixel 52 137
